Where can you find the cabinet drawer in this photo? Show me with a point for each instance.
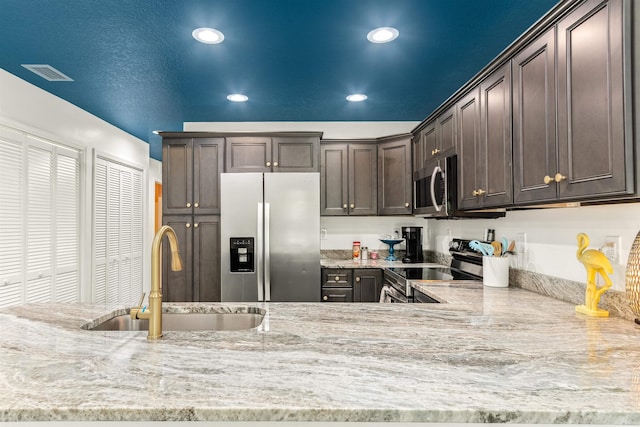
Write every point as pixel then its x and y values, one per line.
pixel 336 277
pixel 337 294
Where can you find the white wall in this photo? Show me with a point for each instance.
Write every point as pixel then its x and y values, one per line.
pixel 28 108
pixel 341 232
pixel 331 130
pixel 551 236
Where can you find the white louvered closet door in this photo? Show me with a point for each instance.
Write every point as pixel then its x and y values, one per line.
pixel 39 217
pixel 67 233
pixel 118 226
pixel 40 193
pixel 100 231
pixel 12 219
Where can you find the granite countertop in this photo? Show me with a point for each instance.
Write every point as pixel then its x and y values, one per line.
pixel 371 263
pixel 483 355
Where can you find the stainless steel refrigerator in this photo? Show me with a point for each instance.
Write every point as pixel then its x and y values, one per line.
pixel 270 236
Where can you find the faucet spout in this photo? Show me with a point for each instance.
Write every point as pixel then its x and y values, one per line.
pixel 154 313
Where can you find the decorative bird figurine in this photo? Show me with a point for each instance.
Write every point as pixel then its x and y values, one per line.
pixel 596 263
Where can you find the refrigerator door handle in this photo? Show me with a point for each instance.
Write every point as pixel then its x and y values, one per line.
pixel 259 248
pixel 267 253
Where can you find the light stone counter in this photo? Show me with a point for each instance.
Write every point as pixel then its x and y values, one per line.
pixel 371 263
pixel 485 355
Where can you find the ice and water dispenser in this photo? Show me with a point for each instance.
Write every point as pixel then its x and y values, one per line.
pixel 242 254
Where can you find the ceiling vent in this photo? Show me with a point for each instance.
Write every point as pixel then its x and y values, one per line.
pixel 47 72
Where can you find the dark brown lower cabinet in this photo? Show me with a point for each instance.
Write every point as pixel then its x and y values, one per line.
pixel 199 246
pixel 351 285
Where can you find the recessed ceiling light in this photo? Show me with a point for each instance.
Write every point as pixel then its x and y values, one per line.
pixel 356 97
pixel 383 35
pixel 237 97
pixel 208 35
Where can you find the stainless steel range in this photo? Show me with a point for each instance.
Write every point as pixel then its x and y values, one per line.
pixel 466 265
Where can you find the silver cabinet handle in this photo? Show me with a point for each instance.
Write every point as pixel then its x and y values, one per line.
pixel 268 164
pixel 353 205
pixel 188 204
pixel 325 298
pixel 275 164
pixel 344 206
pixel 337 278
pixel 196 205
pixel 406 205
pixel 196 225
pixel 188 225
pixel 358 279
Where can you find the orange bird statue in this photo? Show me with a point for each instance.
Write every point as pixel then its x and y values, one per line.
pixel 596 263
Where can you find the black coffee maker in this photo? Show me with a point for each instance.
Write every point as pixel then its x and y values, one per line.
pixel 413 240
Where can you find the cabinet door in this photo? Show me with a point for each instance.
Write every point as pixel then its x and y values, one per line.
pixel 177 176
pixel 367 284
pixel 417 151
pixel 248 154
pixel 292 154
pixel 429 142
pixel 208 161
pixel 447 130
pixel 178 285
pixel 394 178
pixel 334 179
pixel 469 171
pixel 206 258
pixel 363 179
pixel 591 134
pixel 534 120
pixel 495 139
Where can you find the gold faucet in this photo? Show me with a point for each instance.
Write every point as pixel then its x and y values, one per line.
pixel 154 313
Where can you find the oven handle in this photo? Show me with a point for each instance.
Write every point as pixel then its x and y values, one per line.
pixel 436 206
pixel 389 294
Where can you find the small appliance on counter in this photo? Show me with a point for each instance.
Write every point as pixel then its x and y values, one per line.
pixel 413 241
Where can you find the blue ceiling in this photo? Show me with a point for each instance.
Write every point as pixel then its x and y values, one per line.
pixel 136 66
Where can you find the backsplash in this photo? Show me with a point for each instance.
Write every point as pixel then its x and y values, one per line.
pixel 562 289
pixel 568 290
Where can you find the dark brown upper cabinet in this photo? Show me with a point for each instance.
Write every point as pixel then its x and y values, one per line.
pixel 272 154
pixel 348 178
pixel 395 185
pixel 484 132
pixel 594 157
pixel 584 153
pixel 435 138
pixel 534 121
pixel 190 171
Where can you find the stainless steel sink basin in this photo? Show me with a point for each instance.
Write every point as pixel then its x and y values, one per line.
pixel 186 322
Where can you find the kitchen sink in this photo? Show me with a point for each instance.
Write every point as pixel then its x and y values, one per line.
pixel 226 321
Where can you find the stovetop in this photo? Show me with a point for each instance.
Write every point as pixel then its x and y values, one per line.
pixel 438 274
pixel 465 265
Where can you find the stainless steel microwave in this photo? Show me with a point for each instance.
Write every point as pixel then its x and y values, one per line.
pixel 435 192
pixel 434 188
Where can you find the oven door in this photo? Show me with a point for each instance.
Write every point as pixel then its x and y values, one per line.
pixel 390 294
pixel 430 190
pixel 419 297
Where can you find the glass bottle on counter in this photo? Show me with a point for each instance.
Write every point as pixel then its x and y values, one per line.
pixel 356 250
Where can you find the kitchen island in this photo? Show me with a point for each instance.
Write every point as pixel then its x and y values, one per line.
pixel 482 355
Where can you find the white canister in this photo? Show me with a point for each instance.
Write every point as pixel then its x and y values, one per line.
pixel 495 271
